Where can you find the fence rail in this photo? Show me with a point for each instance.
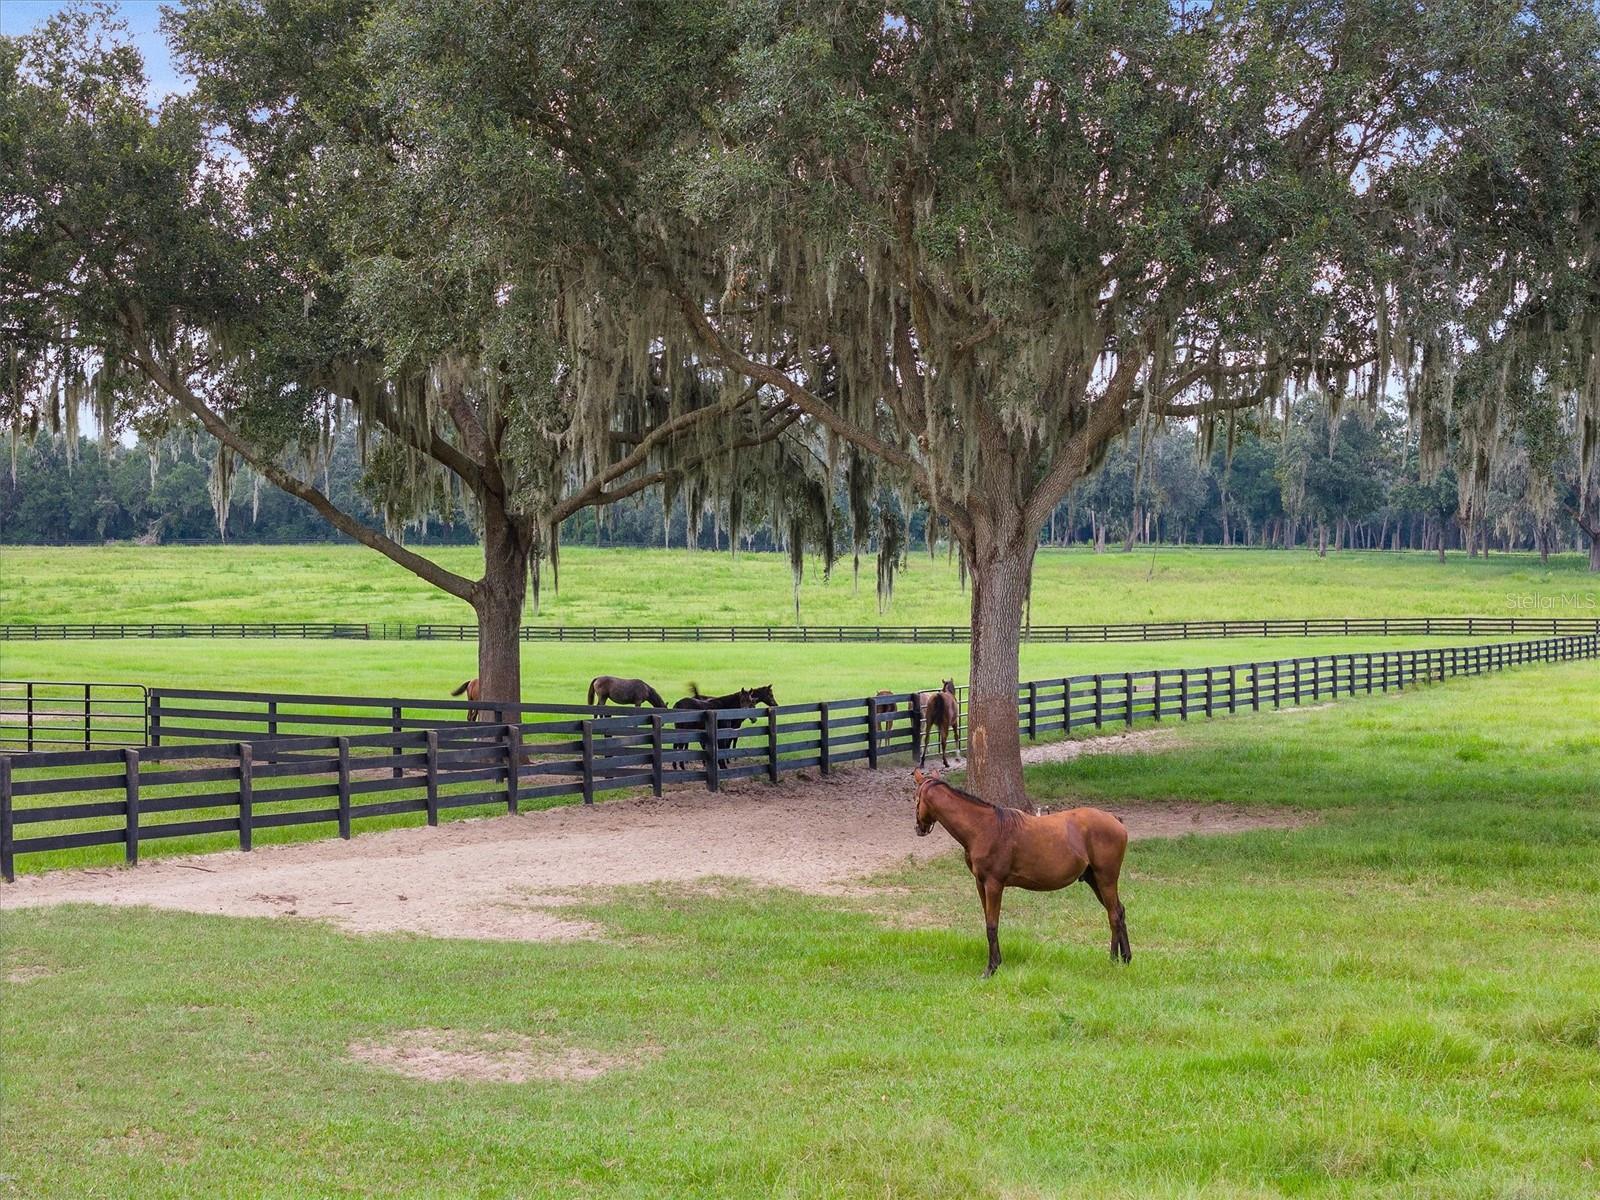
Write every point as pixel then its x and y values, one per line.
pixel 40 715
pixel 422 764
pixel 359 631
pixel 1150 631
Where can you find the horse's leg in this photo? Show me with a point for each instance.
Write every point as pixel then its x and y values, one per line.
pixel 927 736
pixel 944 742
pixel 991 890
pixel 1116 915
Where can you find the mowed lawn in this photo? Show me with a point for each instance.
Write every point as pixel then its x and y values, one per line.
pixel 657 587
pixel 559 673
pixel 1400 1000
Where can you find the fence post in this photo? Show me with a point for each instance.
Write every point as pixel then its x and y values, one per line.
pixel 1210 685
pixel 87 709
pixel 713 762
pixel 513 761
pixel 1128 679
pixel 247 796
pixel 1155 707
pixel 344 788
pixel 153 718
pixel 1255 687
pixel 130 768
pixel 8 870
pixel 657 764
pixel 433 777
pixel 822 736
pixel 772 744
pixel 1033 711
pixel 1277 683
pixel 272 718
pixel 1099 700
pixel 872 731
pixel 394 725
pixel 588 767
pixel 30 720
pixel 1183 694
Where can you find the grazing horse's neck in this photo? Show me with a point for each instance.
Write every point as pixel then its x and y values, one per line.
pixel 960 815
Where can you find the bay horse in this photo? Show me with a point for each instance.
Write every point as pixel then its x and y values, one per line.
pixel 1006 847
pixel 746 697
pixel 474 694
pixel 623 691
pixel 939 710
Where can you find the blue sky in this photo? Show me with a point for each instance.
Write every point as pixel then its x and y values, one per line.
pixel 143 18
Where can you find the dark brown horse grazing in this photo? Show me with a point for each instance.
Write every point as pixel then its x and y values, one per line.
pixel 940 710
pixel 474 694
pixel 623 691
pixel 1006 847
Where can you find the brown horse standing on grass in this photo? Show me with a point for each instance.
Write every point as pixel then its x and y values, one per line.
pixel 939 710
pixel 623 691
pixel 1006 847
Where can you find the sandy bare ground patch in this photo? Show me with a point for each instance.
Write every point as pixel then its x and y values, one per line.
pixel 444 1054
pixel 27 974
pixel 509 877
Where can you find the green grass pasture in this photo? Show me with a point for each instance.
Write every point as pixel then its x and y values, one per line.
pixel 1400 1000
pixel 655 587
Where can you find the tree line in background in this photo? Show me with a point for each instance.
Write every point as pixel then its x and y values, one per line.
pixel 1361 488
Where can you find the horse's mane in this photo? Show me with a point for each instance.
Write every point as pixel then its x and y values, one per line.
pixel 1000 808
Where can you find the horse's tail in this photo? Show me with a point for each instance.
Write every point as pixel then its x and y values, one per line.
pixel 592 682
pixel 939 708
pixel 654 696
pixel 694 690
pixel 462 688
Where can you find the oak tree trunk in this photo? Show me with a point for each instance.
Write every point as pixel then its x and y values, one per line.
pixel 1001 568
pixel 498 602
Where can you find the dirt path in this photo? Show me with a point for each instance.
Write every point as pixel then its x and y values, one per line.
pixel 509 877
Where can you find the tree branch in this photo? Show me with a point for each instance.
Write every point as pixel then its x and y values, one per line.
pixel 426 569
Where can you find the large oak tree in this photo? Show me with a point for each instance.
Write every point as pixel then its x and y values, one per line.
pixel 953 248
pixel 973 244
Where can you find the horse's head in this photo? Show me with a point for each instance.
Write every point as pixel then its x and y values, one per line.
pixel 747 698
pixel 950 686
pixel 763 695
pixel 925 816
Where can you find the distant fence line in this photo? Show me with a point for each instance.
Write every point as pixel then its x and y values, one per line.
pixel 1146 631
pixel 255 772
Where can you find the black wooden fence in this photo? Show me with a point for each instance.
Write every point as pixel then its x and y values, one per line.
pixel 42 715
pixel 422 763
pixel 1150 631
pixel 130 796
pixel 187 629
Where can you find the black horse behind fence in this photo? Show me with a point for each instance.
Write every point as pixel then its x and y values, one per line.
pixel 744 698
